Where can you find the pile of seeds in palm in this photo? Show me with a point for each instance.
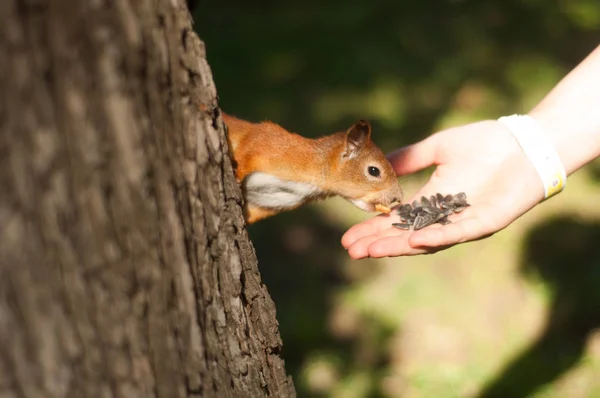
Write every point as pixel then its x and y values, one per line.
pixel 425 212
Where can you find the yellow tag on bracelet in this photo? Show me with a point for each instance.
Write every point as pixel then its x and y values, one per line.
pixel 539 149
pixel 557 184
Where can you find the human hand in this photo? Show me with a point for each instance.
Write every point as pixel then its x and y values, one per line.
pixel 483 160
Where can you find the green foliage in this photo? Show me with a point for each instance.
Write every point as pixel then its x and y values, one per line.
pixel 504 317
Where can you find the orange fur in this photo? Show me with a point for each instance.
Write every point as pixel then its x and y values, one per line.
pixel 268 148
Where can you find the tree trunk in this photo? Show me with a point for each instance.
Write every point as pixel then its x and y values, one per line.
pixel 125 269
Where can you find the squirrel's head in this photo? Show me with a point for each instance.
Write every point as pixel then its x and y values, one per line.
pixel 363 175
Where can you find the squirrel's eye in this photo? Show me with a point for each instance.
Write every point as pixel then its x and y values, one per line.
pixel 374 171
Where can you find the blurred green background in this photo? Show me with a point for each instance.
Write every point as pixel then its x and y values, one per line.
pixel 516 315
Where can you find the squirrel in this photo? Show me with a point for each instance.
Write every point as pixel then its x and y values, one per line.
pixel 279 170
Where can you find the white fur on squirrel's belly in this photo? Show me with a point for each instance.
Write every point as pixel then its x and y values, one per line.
pixel 266 190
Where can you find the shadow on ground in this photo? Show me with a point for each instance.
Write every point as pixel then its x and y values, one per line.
pixel 565 254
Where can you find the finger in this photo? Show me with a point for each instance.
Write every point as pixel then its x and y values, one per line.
pixel 415 157
pixel 365 228
pixel 463 230
pixel 360 248
pixel 393 246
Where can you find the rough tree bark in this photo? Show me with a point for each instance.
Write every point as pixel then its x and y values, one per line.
pixel 125 269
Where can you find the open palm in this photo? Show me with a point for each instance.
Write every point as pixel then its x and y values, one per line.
pixel 481 159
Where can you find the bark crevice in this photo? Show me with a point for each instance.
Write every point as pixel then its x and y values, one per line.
pixel 125 268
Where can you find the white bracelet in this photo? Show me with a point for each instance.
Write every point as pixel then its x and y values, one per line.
pixel 539 149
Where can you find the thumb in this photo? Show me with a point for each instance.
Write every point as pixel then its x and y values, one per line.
pixel 415 157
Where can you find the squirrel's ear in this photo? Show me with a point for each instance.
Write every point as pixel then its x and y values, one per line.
pixel 357 137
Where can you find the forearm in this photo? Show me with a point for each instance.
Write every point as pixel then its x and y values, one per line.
pixel 570 114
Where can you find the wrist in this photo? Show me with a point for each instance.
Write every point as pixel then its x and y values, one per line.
pixel 570 114
pixel 577 141
pixel 559 136
pixel 539 148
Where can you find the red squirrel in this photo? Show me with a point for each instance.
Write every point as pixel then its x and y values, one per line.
pixel 280 171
